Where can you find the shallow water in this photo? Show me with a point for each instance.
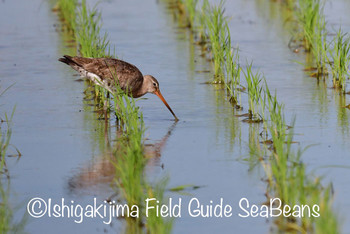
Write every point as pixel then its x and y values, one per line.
pixel 63 144
pixel 260 29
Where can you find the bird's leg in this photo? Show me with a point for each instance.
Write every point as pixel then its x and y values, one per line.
pixel 117 109
pixel 106 106
pixel 106 103
pixel 116 119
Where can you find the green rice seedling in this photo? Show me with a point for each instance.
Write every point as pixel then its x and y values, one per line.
pixel 5 211
pixel 275 110
pixel 5 137
pixel 191 12
pixel 8 223
pixel 88 35
pixel 232 59
pixel 312 33
pixel 90 42
pixel 202 28
pixel 233 74
pixel 130 161
pixel 266 101
pixel 280 150
pixel 277 130
pixel 4 143
pixel 157 224
pixel 67 9
pixel 218 34
pixel 328 221
pixel 294 187
pixel 180 6
pixel 308 15
pixel 341 59
pixel 255 150
pixel 254 93
pixel 232 71
pixel 320 46
pixel 290 4
pixel 287 175
pixel 130 164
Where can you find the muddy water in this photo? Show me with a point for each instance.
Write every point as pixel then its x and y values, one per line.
pixel 64 145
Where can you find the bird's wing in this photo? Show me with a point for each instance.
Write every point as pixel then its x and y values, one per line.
pixel 111 69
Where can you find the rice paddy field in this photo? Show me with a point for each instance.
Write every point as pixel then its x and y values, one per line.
pixel 260 90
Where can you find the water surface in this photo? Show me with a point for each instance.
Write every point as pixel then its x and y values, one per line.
pixel 64 144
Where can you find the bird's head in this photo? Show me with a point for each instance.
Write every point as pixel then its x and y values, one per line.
pixel 153 87
pixel 151 84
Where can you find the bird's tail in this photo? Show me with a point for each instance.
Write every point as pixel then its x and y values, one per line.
pixel 69 61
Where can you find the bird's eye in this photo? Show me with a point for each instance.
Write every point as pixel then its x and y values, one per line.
pixel 154 84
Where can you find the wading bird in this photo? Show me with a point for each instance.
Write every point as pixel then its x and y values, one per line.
pixel 107 72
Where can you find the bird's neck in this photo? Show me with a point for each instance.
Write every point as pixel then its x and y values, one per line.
pixel 141 91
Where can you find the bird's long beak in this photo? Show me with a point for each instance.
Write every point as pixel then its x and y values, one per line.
pixel 158 93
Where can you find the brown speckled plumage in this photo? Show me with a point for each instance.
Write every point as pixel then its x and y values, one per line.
pixel 105 71
pixel 108 69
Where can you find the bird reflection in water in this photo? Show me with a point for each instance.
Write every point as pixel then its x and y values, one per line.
pixel 100 173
